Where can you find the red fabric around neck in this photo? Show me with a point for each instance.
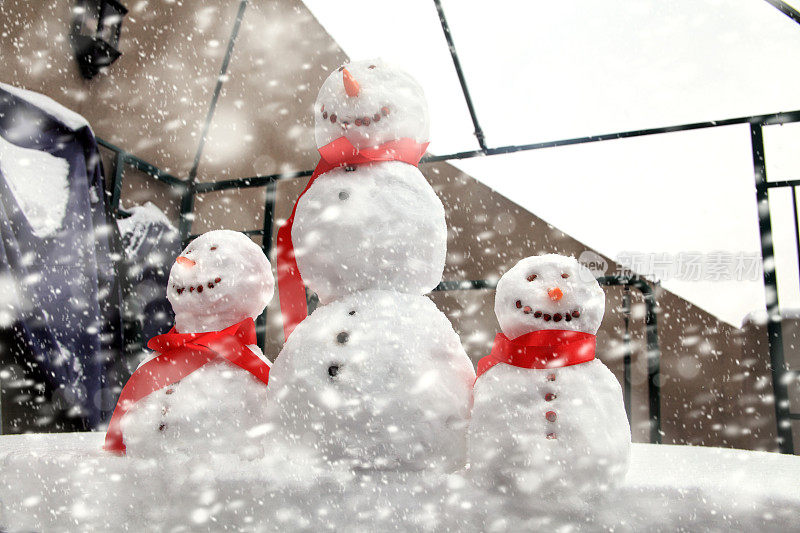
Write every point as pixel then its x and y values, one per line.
pixel 341 152
pixel 548 348
pixel 180 354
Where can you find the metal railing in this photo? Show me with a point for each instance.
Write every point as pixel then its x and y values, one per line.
pixel 117 170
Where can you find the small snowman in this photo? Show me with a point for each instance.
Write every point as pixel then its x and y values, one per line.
pixel 205 385
pixel 548 419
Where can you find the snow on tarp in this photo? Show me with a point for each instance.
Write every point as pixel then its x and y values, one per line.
pixel 680 207
pixel 70 118
pixel 30 172
pixel 541 71
pixel 66 483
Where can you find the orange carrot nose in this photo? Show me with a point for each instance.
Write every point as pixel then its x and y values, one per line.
pixel 351 86
pixel 185 261
pixel 555 294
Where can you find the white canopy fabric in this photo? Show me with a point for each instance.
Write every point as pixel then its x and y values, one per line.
pixel 543 71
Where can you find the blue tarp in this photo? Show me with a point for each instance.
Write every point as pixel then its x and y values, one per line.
pixel 70 321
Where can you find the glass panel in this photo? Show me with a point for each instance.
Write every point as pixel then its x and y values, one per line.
pixel 411 37
pixel 780 145
pixel 542 71
pixel 794 395
pixel 236 209
pixel 657 203
pixel 787 270
pixel 796 435
pixel 785 247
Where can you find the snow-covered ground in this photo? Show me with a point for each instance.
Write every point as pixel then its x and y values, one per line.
pixel 66 483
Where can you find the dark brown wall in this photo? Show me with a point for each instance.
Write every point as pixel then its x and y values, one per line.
pixel 154 101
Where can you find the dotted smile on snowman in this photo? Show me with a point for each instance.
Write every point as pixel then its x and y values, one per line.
pixel 555 294
pixel 352 88
pixel 198 288
pixel 185 261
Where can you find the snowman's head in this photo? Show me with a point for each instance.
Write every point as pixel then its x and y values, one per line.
pixel 221 278
pixel 370 103
pixel 548 292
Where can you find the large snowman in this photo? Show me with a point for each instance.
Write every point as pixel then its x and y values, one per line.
pixel 375 379
pixel 217 286
pixel 376 224
pixel 548 420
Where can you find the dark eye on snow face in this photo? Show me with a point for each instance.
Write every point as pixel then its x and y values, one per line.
pixel 532 277
pixel 371 67
pixel 213 248
pixel 565 276
pixel 344 195
pixel 342 337
pixel 333 370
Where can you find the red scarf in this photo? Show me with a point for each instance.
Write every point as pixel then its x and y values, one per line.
pixel 180 354
pixel 547 348
pixel 341 152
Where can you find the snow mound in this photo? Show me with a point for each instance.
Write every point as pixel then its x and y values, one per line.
pixel 374 226
pixel 66 483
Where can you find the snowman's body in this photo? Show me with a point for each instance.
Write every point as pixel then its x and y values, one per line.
pixel 220 279
pixel 515 447
pixel 378 225
pixel 210 410
pixel 376 379
pixel 540 434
